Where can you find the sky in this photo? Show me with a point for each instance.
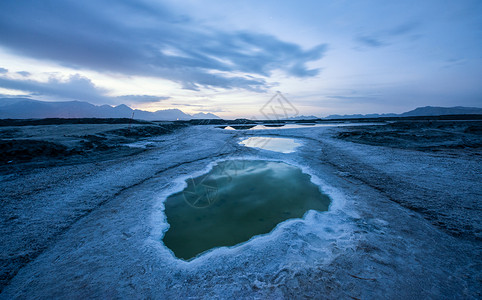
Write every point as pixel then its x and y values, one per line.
pixel 231 57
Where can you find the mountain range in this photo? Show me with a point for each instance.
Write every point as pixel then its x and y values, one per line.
pixel 25 108
pixel 303 117
pixel 418 112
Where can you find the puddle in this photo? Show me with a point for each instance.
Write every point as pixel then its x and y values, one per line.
pixel 283 145
pixel 141 145
pixel 293 126
pixel 239 127
pixel 274 125
pixel 236 200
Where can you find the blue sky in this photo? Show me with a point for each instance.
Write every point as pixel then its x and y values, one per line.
pixel 230 57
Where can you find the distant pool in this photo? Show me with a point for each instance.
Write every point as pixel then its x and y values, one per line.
pixel 235 201
pixel 283 145
pixel 293 126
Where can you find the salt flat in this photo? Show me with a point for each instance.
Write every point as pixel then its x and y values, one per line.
pixel 403 223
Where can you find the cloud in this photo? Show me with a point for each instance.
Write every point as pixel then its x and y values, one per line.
pixel 186 104
pixel 142 98
pixel 24 73
pixel 211 109
pixel 75 88
pixel 370 41
pixel 384 38
pixel 3 70
pixel 143 38
pixel 353 98
pixel 14 96
pixel 347 97
pixel 403 29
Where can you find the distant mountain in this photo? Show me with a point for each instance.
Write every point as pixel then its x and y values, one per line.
pixel 359 116
pixel 440 111
pixel 303 118
pixel 25 108
pixel 167 114
pixel 205 116
pixel 418 112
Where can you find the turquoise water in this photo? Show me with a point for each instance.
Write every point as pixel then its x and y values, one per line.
pixel 235 201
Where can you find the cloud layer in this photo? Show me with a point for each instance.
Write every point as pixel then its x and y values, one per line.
pixel 76 87
pixel 143 38
pixel 384 38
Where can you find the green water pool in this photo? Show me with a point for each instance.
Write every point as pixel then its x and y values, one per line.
pixel 235 201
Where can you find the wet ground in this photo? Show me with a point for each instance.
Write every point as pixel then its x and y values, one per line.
pixel 404 222
pixel 420 135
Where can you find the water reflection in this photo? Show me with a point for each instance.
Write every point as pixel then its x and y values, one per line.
pixel 250 198
pixel 283 145
pixel 293 126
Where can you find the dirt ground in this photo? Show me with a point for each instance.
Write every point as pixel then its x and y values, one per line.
pixel 57 144
pixel 420 135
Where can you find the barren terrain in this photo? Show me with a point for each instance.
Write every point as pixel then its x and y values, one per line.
pixel 82 213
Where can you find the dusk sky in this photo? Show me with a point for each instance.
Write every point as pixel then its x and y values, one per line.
pixel 231 57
